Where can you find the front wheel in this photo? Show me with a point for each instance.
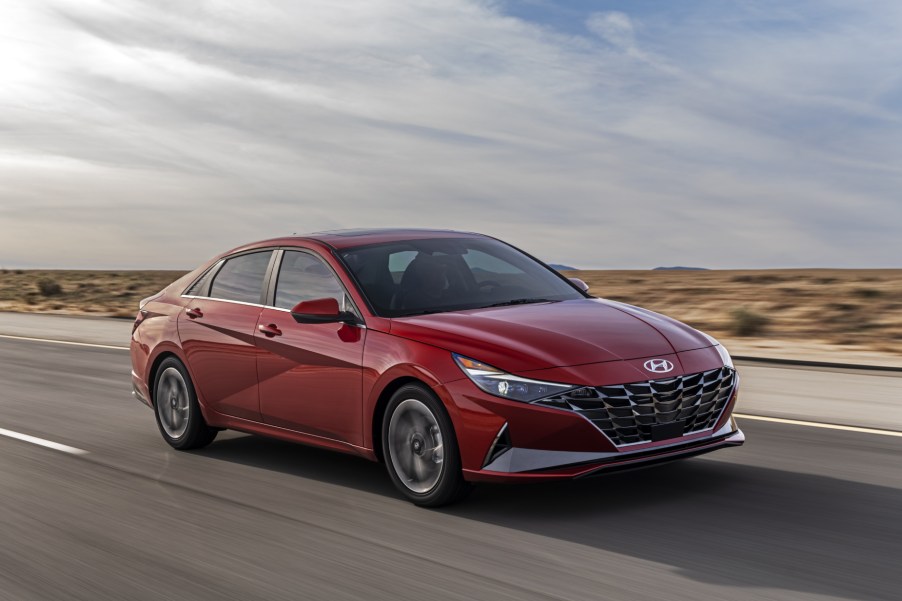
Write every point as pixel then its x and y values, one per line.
pixel 175 405
pixel 421 451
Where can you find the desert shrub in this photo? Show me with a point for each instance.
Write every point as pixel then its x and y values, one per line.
pixel 867 292
pixel 843 307
pixel 18 272
pixel 783 307
pixel 30 299
pixel 49 287
pixel 747 322
pixel 758 278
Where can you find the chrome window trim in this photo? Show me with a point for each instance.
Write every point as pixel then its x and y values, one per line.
pixel 225 300
pixel 234 302
pixel 271 279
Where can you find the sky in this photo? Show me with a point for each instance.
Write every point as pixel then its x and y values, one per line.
pixel 599 134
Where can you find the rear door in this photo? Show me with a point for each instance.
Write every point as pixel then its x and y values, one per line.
pixel 310 374
pixel 216 329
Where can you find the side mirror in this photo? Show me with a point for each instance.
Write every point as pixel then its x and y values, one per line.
pixel 321 310
pixel 579 284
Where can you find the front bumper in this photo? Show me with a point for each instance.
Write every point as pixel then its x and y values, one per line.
pixel 503 440
pixel 519 464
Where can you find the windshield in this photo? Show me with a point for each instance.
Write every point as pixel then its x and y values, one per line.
pixel 415 277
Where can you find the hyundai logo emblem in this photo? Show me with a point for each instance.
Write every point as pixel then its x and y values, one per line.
pixel 659 366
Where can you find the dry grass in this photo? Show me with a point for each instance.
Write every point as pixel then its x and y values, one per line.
pixel 834 306
pixel 108 293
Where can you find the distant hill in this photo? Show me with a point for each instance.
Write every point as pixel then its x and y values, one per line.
pixel 560 267
pixel 679 268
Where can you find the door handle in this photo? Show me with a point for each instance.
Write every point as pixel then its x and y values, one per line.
pixel 270 330
pixel 194 313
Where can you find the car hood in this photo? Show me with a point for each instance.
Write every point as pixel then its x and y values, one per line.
pixel 524 338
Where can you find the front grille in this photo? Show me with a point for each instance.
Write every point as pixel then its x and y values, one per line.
pixel 654 409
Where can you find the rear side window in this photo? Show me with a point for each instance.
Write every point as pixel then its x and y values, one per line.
pixel 303 276
pixel 241 278
pixel 200 285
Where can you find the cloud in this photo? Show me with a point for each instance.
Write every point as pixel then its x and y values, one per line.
pixel 155 134
pixel 614 27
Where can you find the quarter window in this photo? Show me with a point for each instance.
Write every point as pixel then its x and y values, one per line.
pixel 241 278
pixel 303 276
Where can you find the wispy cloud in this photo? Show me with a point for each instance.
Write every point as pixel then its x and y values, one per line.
pixel 157 133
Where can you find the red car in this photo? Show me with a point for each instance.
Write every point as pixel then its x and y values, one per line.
pixel 452 357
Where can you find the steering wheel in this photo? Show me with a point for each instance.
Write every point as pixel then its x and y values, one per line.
pixel 489 284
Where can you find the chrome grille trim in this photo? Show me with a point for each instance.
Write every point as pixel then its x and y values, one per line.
pixel 626 413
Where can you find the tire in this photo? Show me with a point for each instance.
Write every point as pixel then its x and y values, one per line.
pixel 175 407
pixel 420 448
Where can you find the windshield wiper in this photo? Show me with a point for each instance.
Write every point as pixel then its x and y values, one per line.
pixel 425 312
pixel 521 301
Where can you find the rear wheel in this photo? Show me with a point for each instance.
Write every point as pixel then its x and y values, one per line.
pixel 175 405
pixel 420 448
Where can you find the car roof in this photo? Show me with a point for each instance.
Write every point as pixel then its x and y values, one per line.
pixel 340 239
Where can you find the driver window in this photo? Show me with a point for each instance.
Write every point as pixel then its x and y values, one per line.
pixel 302 277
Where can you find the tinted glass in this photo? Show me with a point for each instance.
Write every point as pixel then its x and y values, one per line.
pixel 200 285
pixel 303 276
pixel 451 274
pixel 241 278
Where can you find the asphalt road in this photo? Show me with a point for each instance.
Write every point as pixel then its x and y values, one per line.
pixel 797 513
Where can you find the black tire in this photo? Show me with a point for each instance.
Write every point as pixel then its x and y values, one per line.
pixel 407 405
pixel 173 392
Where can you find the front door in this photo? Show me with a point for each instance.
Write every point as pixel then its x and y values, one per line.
pixel 310 374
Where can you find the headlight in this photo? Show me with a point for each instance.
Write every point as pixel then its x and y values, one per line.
pixel 508 386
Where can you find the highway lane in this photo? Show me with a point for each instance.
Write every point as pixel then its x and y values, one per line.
pixel 776 390
pixel 798 513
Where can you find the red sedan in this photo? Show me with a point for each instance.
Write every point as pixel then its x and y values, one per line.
pixel 452 357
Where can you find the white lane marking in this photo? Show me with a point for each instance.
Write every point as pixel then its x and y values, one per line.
pixel 44 443
pixel 798 422
pixel 89 344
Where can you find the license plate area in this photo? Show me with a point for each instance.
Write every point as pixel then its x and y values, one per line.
pixel 667 431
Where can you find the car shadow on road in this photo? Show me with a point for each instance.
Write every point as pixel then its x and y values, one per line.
pixel 723 523
pixel 713 521
pixel 300 460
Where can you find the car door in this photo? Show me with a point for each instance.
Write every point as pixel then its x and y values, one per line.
pixel 310 374
pixel 216 329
